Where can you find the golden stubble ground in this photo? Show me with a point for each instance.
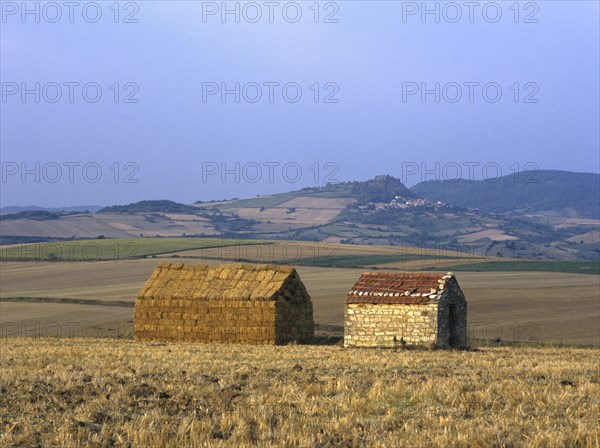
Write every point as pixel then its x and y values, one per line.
pixel 108 392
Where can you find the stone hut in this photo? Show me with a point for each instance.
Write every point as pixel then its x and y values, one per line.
pixel 393 309
pixel 235 303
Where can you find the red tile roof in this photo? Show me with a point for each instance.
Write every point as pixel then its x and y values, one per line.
pixel 384 287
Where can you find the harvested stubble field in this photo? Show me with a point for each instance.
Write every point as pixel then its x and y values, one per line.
pixel 103 392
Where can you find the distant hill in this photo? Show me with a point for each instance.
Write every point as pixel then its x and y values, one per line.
pixel 382 188
pixel 162 206
pixel 561 192
pixel 551 218
pixel 36 215
pixel 74 208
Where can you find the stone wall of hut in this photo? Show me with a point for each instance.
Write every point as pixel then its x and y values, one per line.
pixel 390 325
pixel 453 296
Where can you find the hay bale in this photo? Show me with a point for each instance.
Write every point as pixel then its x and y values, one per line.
pixel 235 303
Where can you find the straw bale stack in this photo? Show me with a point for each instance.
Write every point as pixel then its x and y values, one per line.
pixel 232 303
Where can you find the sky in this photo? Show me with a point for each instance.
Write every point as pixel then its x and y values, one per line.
pixel 114 102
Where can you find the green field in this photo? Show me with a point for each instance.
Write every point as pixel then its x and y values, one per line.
pixel 359 261
pixel 576 267
pixel 135 248
pixel 266 201
pixel 110 249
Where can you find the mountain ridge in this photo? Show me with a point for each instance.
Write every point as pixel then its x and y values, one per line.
pixel 568 193
pixel 379 211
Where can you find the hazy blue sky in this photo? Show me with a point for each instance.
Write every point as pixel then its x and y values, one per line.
pixel 375 53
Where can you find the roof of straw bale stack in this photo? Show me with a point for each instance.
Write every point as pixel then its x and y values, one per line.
pixel 224 282
pixel 387 288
